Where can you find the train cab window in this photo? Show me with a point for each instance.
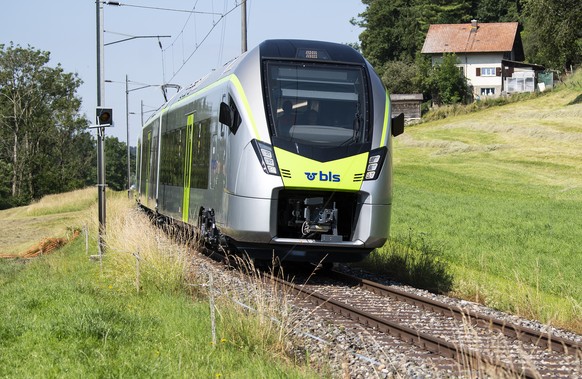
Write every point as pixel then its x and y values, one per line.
pixel 317 104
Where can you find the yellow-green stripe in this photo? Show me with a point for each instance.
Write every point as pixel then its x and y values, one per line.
pixel 187 168
pixel 383 141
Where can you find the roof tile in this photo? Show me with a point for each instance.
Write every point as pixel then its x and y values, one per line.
pixel 461 38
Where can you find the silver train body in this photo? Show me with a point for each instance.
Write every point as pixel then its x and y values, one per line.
pixel 287 150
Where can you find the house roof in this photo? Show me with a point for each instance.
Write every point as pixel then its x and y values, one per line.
pixel 464 38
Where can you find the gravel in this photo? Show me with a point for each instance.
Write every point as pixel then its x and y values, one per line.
pixel 340 348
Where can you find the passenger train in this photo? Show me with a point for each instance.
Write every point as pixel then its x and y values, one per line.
pixel 285 151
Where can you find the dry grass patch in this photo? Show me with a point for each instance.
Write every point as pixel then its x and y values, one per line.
pixel 53 216
pixel 141 256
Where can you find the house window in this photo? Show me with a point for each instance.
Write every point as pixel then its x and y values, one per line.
pixel 487 91
pixel 487 71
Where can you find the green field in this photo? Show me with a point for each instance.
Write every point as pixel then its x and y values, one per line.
pixel 496 196
pixel 65 316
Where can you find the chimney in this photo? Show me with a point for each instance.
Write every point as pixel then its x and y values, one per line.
pixel 473 25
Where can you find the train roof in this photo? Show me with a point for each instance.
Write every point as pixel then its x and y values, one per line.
pixel 277 49
pixel 309 50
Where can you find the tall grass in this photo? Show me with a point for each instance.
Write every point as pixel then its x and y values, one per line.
pixel 260 318
pixel 64 315
pixel 411 259
pixel 138 253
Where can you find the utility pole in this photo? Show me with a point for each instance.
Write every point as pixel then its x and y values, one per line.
pixel 244 26
pixel 100 129
pixel 127 135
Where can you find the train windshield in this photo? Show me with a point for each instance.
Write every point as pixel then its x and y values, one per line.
pixel 318 104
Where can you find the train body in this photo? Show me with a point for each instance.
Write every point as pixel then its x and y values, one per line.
pixel 286 150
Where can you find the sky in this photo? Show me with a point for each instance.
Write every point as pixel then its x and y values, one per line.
pixel 198 43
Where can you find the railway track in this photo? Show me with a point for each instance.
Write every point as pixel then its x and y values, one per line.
pixel 459 340
pixel 478 343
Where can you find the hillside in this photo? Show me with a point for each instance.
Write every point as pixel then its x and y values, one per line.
pixel 499 193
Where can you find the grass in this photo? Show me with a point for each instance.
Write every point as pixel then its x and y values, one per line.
pixel 60 318
pixel 52 216
pixel 498 195
pixel 79 200
pixel 63 315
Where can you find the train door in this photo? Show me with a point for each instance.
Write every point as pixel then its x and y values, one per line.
pixel 145 165
pixel 138 166
pixel 153 136
pixel 187 166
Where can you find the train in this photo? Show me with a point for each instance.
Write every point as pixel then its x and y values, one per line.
pixel 285 152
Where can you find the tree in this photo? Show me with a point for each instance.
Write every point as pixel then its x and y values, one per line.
pixel 444 12
pixel 447 83
pixel 391 31
pixel 116 163
pixel 39 112
pixel 395 30
pixel 400 77
pixel 553 32
pixel 499 10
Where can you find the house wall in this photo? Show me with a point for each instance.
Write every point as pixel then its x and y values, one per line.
pixel 482 85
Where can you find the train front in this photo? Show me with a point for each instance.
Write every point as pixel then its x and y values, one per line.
pixel 328 164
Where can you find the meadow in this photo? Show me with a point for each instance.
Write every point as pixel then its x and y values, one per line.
pixel 488 206
pixel 70 315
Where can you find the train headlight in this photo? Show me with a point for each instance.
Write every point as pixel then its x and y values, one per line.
pixel 375 162
pixel 266 157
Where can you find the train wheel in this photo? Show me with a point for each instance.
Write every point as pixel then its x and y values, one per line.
pixel 207 227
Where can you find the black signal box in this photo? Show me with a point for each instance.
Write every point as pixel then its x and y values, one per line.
pixel 104 116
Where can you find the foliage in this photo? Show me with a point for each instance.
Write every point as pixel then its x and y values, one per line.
pixel 116 163
pixel 399 77
pixel 552 32
pixel 499 10
pixel 384 37
pixel 44 146
pixel 447 83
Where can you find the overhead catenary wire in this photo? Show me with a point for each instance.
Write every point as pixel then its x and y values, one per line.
pixel 160 8
pixel 217 18
pixel 198 45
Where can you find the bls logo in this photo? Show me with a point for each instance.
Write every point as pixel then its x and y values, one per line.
pixel 323 177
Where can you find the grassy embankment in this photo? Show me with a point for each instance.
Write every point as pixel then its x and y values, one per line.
pixel 488 206
pixel 62 315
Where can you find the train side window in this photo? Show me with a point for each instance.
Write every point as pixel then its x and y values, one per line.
pixel 229 115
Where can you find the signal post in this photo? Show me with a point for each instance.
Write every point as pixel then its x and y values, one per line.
pixel 104 118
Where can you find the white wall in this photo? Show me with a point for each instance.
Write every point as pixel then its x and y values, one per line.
pixel 470 62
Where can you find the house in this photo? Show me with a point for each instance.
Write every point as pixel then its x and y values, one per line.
pixel 488 53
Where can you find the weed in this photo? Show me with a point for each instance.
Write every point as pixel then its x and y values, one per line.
pixel 412 259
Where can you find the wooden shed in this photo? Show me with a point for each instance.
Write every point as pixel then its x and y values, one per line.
pixel 409 104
